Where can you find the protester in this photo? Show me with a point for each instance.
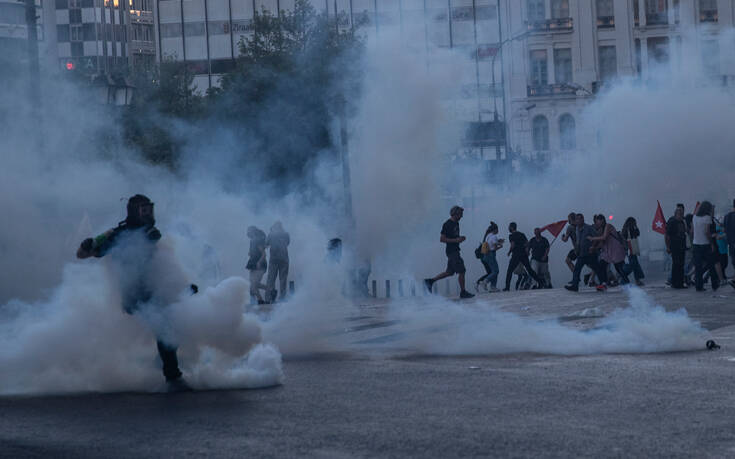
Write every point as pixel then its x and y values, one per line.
pixel 490 246
pixel 518 254
pixel 278 240
pixel 571 233
pixel 689 252
pixel 676 239
pixel 729 225
pixel 539 247
pixel 131 246
pixel 450 236
pixel 721 241
pixel 257 264
pixel 630 233
pixel 586 255
pixel 703 249
pixel 612 248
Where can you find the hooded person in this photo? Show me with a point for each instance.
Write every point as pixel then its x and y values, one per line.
pixel 277 241
pixel 132 248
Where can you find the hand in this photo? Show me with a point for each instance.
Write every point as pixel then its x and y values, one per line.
pixel 668 250
pixel 462 239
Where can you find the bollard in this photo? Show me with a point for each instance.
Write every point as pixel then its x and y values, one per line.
pixel 400 288
pixel 387 288
pixel 413 288
pixel 291 287
pixel 375 289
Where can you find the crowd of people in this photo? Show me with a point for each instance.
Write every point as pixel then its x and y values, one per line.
pixel 277 241
pixel 698 245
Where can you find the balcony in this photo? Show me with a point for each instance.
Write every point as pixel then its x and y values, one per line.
pixel 653 19
pixel 708 16
pixel 551 25
pixel 606 22
pixel 546 90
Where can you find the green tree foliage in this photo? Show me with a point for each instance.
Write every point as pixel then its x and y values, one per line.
pixel 294 71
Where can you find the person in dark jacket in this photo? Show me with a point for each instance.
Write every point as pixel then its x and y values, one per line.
pixel 132 245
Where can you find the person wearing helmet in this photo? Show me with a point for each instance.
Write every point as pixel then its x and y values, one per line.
pixel 455 265
pixel 132 244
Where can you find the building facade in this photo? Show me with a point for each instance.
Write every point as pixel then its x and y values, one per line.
pixel 571 50
pixel 105 36
pixel 532 65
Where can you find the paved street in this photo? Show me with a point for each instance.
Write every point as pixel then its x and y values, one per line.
pixel 374 401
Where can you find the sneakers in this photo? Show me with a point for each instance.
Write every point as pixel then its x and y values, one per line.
pixel 732 283
pixel 428 283
pixel 495 289
pixel 601 288
pixel 464 294
pixel 571 288
pixel 477 287
pixel 639 283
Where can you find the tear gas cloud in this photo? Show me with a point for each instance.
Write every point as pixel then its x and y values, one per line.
pixel 62 328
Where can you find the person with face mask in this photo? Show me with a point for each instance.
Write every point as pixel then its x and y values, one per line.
pixel 131 245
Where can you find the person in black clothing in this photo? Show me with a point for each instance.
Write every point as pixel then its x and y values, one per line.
pixel 676 234
pixel 455 265
pixel 539 247
pixel 729 224
pixel 586 255
pixel 519 255
pixel 131 245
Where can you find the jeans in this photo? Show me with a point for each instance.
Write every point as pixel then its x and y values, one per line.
pixel 677 267
pixel 277 268
pixel 635 267
pixel 170 361
pixel 490 262
pixel 703 261
pixel 591 261
pixel 513 264
pixel 542 269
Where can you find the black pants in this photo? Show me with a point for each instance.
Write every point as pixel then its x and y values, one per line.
pixel 703 261
pixel 513 264
pixel 170 361
pixel 591 261
pixel 677 267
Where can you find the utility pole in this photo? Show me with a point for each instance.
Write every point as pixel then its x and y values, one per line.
pixel 34 71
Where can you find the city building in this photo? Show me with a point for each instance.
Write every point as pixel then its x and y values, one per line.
pixel 532 65
pixel 14 32
pixel 572 49
pixel 105 36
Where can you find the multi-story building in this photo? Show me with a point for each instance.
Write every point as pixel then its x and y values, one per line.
pixel 532 65
pixel 105 36
pixel 14 33
pixel 570 50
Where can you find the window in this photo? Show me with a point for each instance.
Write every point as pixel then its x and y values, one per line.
pixel 707 10
pixel 539 71
pixel 657 12
pixel 567 132
pixel 76 33
pixel 193 29
pixel 608 63
pixel 77 49
pixel 75 4
pixel 710 57
pixel 536 10
pixel 75 16
pixel 605 13
pixel 540 133
pixel 658 51
pixel 171 30
pixel 559 9
pixel 563 65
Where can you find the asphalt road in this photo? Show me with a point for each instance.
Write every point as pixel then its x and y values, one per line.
pixel 379 404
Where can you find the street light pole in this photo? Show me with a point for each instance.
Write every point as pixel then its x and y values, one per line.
pixel 34 71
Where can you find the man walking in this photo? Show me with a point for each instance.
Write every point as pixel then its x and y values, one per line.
pixel 539 247
pixel 278 241
pixel 455 265
pixel 586 255
pixel 257 263
pixel 571 233
pixel 519 255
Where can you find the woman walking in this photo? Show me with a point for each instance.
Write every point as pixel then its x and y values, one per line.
pixel 490 245
pixel 630 234
pixel 612 248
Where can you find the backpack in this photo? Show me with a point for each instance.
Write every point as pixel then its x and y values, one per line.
pixel 478 250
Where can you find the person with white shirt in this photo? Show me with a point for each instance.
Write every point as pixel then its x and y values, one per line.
pixel 702 246
pixel 490 245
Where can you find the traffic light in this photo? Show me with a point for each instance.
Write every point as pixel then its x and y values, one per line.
pixel 69 65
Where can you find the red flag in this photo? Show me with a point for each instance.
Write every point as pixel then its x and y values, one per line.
pixel 555 228
pixel 659 222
